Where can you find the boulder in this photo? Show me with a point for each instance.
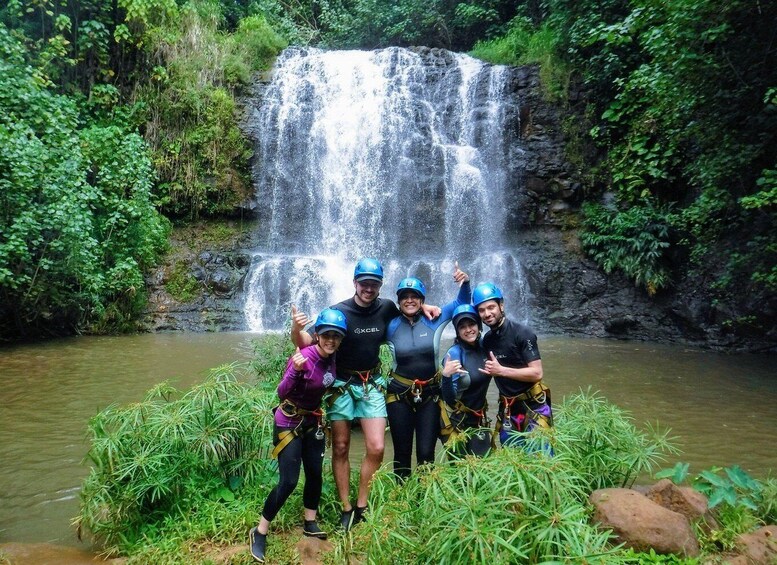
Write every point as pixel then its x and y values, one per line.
pixel 684 500
pixel 759 547
pixel 641 524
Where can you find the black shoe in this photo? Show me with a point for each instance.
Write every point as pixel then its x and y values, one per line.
pixel 312 530
pixel 346 519
pixel 358 514
pixel 258 544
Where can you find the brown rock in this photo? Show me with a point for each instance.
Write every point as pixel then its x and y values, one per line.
pixel 684 500
pixel 642 524
pixel 311 550
pixel 760 547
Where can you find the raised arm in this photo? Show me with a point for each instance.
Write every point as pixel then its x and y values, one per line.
pixel 299 337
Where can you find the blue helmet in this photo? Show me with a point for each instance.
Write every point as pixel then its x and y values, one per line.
pixel 485 292
pixel 331 320
pixel 466 312
pixel 369 270
pixel 412 283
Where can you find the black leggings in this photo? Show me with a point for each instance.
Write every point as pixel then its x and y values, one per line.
pixel 405 419
pixel 309 451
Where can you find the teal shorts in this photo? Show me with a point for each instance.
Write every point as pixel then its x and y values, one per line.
pixel 352 403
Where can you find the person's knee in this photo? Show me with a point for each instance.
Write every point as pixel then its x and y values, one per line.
pixel 375 448
pixel 340 448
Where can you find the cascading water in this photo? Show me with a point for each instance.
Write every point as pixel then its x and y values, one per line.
pixel 400 155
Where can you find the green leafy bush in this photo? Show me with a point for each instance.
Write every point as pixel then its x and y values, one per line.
pixel 524 44
pixel 516 505
pixel 198 150
pixel 157 460
pixel 78 227
pixel 634 241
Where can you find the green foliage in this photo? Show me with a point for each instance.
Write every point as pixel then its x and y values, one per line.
pixel 199 152
pixel 634 241
pixel 685 91
pixel 156 460
pixel 510 507
pixel 602 443
pixel 677 474
pixel 369 24
pixel 736 488
pixel 516 505
pixel 181 284
pixel 631 556
pixel 78 226
pixel 523 44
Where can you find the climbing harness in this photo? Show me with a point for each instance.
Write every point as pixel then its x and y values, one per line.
pixel 451 422
pixel 539 394
pixel 291 410
pixel 364 378
pixel 415 389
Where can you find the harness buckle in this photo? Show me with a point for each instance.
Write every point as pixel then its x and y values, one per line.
pixel 417 389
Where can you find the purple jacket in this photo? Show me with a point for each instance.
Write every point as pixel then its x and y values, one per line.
pixel 305 388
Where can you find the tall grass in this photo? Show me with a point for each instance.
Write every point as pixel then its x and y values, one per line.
pixel 178 473
pixel 164 458
pixel 524 44
pixel 514 506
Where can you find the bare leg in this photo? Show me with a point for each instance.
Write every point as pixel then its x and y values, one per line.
pixel 374 438
pixel 341 466
pixel 264 526
pixel 309 515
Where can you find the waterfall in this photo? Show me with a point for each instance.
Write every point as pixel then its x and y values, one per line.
pixel 397 154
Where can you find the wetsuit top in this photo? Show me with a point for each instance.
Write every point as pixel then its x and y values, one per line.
pixel 415 347
pixel 471 388
pixel 514 345
pixel 305 388
pixel 360 349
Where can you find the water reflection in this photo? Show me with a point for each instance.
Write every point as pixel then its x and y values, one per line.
pixel 721 406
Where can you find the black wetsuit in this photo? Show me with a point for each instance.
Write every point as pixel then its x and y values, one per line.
pixel 469 390
pixel 360 349
pixel 515 345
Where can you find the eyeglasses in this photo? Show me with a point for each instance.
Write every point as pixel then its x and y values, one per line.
pixel 409 296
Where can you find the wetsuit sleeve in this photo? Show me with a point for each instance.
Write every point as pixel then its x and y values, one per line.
pixel 464 297
pixel 290 379
pixel 450 385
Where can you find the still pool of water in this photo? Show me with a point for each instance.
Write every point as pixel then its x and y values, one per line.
pixel 723 408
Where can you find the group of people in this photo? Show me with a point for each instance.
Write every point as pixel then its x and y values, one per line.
pixel 337 364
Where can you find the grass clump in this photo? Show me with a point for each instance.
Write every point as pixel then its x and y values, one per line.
pixel 181 285
pixel 167 470
pixel 525 44
pixel 516 505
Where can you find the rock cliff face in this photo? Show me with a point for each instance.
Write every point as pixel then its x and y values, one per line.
pixel 569 294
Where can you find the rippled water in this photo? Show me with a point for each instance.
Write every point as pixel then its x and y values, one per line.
pixel 723 407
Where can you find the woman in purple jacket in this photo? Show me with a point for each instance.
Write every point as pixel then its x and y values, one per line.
pixel 299 427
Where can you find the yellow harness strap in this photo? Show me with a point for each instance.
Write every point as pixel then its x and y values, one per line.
pixel 284 439
pixel 414 386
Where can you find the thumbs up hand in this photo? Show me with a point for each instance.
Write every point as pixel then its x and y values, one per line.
pixel 298 320
pixel 298 360
pixel 459 276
